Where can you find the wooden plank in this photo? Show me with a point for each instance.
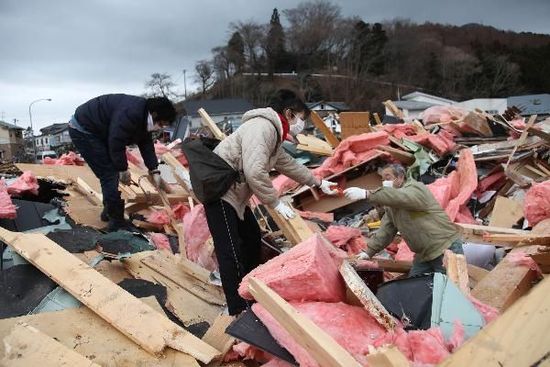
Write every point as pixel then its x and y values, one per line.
pixel 210 124
pixel 314 145
pixel 517 240
pixel 312 338
pixel 81 330
pixel 506 213
pixel 457 270
pixel 373 306
pixel 354 123
pixel 506 283
pixel 521 139
pixel 393 109
pixel 386 356
pixel 320 125
pixel 64 174
pixel 27 346
pixel 402 156
pixel 97 197
pixel 519 337
pixel 122 310
pixel 295 229
pixel 216 337
pixel 377 118
pixel 475 274
pixel 187 307
pixel 82 211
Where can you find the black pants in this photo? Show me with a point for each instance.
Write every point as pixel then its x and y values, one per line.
pixel 237 244
pixel 95 152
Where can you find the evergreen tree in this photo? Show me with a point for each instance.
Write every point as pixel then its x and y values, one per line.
pixel 235 52
pixel 277 57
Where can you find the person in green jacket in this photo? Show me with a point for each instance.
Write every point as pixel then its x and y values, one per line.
pixel 413 211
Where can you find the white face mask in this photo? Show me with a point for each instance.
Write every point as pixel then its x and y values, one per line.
pixel 151 126
pixel 297 126
pixel 387 183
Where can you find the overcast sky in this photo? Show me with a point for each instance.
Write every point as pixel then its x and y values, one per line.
pixel 73 50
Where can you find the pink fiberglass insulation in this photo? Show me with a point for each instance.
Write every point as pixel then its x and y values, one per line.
pixel 68 159
pixel 489 313
pixel 454 191
pixel 276 362
pixel 428 346
pixel 404 253
pixel 161 242
pixel 521 259
pixel 180 210
pixel 27 182
pixel 465 216
pixel 134 156
pixel 325 217
pixel 158 217
pixel 196 234
pixel 537 203
pixel 352 151
pixel 350 326
pixel 349 239
pixel 492 182
pixel 306 272
pixel 160 148
pixel 7 209
pixel 441 142
pixel 248 351
pixel 442 114
pixel 457 337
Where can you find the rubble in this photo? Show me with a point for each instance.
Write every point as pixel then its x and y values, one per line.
pixel 315 298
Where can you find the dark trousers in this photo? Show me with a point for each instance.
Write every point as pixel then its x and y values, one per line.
pixel 237 244
pixel 435 265
pixel 95 152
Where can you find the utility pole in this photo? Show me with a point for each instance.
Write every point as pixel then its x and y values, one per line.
pixel 184 84
pixel 30 119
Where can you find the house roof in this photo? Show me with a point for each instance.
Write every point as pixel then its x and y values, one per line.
pixel 421 94
pixel 413 105
pixel 10 126
pixel 214 107
pixel 340 106
pixel 54 128
pixel 531 104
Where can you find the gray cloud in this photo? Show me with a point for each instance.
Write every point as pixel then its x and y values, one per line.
pixel 74 50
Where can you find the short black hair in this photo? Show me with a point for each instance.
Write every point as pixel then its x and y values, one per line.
pixel 164 109
pixel 286 99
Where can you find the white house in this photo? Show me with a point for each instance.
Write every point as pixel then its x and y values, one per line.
pixel 223 111
pixel 413 104
pixel 490 105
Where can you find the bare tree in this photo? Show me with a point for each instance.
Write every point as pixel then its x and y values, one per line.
pixel 253 37
pixel 205 73
pixel 161 85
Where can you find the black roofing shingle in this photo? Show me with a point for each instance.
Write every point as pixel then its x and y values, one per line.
pixel 217 106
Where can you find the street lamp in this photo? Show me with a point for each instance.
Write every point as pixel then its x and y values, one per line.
pixel 32 130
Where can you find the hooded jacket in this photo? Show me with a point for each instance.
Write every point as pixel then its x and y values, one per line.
pixel 254 149
pixel 119 120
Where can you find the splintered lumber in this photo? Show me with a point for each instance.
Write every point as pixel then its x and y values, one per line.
pixel 392 266
pixel 27 346
pixel 521 139
pixel 518 240
pixel 506 283
pixel 96 197
pixel 482 234
pixel 354 123
pixel 377 118
pixel 136 320
pixel 178 170
pixel 506 212
pixel 324 129
pixel 373 306
pixel 210 124
pixel 82 211
pixel 313 339
pixel 475 274
pixel 519 337
pixel 386 356
pixel 186 306
pixel 393 109
pixel 313 145
pixel 457 270
pixel 295 229
pixel 83 331
pixel 402 156
pixel 217 337
pixel 64 174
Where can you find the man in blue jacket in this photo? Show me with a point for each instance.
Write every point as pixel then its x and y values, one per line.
pixel 102 128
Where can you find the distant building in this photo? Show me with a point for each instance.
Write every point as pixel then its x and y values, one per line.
pixel 324 108
pixel 53 137
pixel 413 104
pixel 11 141
pixel 227 111
pixel 492 106
pixel 531 104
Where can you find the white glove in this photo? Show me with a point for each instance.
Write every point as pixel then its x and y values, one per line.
pixel 125 178
pixel 362 256
pixel 355 193
pixel 325 186
pixel 285 210
pixel 155 174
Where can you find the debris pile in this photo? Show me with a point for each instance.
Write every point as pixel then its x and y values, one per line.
pixel 154 296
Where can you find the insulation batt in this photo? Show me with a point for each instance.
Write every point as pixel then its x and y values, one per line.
pixel 325 217
pixel 404 253
pixel 180 210
pixel 537 203
pixel 350 326
pixel 305 272
pixel 196 233
pixel 27 182
pixel 161 242
pixel 68 159
pixel 348 238
pixel 441 142
pixel 158 217
pixel 7 208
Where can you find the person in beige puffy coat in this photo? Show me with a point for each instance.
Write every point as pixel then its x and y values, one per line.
pixel 254 149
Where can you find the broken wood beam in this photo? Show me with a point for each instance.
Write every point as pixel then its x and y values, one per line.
pixel 324 129
pixel 354 123
pixel 217 337
pixel 521 139
pixel 365 296
pixel 457 270
pixel 307 334
pixel 392 266
pixel 295 229
pixel 309 143
pixel 401 155
pixel 386 356
pixel 123 311
pixel 393 109
pixel 210 124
